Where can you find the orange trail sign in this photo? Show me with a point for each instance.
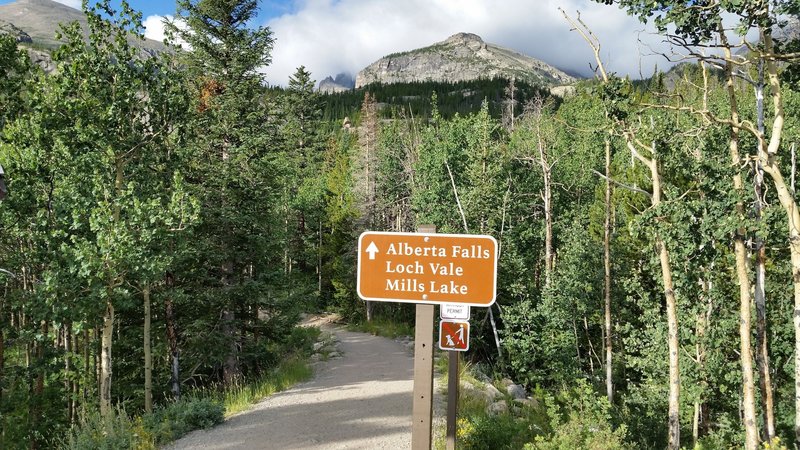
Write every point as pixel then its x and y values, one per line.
pixel 427 268
pixel 454 335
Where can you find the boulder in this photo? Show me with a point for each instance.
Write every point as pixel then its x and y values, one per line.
pixel 516 391
pixel 492 392
pixel 499 407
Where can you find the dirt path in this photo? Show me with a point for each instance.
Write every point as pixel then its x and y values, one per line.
pixel 359 401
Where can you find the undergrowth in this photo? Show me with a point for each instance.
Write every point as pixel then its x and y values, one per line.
pixel 575 417
pixel 200 408
pixel 383 327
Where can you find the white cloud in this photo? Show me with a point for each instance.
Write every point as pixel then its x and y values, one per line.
pixel 71 3
pixel 332 36
pixel 154 28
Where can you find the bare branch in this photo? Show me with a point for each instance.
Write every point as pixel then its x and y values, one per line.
pixel 623 185
pixel 455 191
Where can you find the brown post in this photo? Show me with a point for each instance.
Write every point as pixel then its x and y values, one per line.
pixel 452 399
pixel 422 414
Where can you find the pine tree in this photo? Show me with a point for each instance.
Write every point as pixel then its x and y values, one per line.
pixel 233 171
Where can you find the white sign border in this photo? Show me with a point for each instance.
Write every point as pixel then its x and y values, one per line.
pixel 422 301
pixel 446 349
pixel 443 316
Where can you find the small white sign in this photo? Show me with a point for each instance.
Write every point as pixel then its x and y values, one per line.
pixel 451 311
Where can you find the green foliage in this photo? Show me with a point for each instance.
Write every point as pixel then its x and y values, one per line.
pixel 117 431
pixel 492 432
pixel 165 424
pixel 174 420
pixel 239 206
pixel 579 418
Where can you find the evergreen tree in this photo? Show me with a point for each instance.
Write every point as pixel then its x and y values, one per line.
pixel 232 174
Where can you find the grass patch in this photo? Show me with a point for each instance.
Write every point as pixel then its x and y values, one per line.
pixel 382 327
pixel 239 398
pixel 287 374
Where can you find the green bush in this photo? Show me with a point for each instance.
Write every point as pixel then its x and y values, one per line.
pixel 580 419
pixel 118 431
pixel 176 419
pixel 500 432
pixel 165 424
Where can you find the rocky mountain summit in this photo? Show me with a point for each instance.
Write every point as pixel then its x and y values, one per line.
pixel 461 57
pixel 342 83
pixel 34 23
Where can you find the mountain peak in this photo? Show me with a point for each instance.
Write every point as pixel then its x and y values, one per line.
pixel 461 57
pixel 463 38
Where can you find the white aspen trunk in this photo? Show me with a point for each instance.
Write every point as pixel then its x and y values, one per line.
pixel 673 344
pixel 759 294
pixel 547 197
pixel 172 339
pixel 105 360
pixel 148 357
pixel 742 272
pixel 607 276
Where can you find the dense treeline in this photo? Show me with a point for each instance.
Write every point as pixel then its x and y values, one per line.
pixel 461 97
pixel 169 218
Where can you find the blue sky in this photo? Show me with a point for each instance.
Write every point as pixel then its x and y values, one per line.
pixel 269 8
pixel 333 36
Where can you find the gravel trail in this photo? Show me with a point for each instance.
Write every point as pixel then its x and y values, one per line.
pixel 359 401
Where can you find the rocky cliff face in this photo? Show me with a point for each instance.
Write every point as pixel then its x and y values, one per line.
pixel 34 24
pixel 343 82
pixel 462 57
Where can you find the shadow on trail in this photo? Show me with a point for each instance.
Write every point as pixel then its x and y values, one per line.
pixel 360 401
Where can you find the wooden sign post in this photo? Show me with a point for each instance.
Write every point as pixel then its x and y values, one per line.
pixel 452 400
pixel 455 271
pixel 422 408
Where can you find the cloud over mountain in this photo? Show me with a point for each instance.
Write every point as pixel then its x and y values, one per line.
pixel 333 36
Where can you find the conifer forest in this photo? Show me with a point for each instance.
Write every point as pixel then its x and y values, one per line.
pixel 167 219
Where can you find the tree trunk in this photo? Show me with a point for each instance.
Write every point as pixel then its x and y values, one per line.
pixel 673 344
pixel 148 357
pixel 105 360
pixel 742 272
pixel 762 349
pixel 547 198
pixel 607 276
pixel 231 372
pixel 172 339
pixel 86 352
pixel 68 376
pixel 38 388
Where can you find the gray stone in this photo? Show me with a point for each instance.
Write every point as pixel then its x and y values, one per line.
pixel 499 407
pixel 492 392
pixel 467 389
pixel 318 346
pixel 516 391
pixel 334 355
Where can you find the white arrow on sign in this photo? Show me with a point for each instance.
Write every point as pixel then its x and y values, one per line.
pixel 372 249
